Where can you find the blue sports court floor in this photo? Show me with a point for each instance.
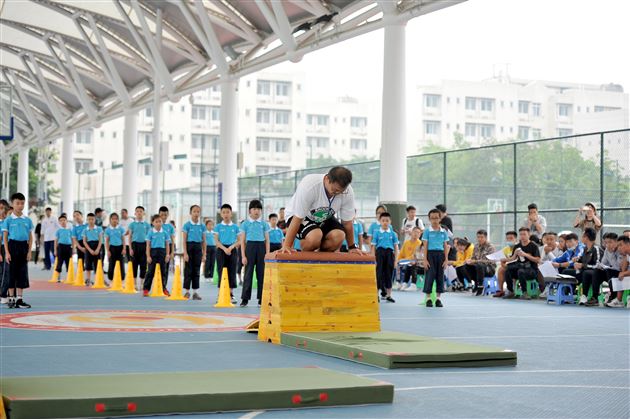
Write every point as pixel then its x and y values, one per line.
pixel 572 361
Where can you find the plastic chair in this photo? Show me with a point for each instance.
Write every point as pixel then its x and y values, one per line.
pixel 490 285
pixel 560 293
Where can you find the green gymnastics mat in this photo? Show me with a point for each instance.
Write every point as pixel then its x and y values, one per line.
pixel 187 392
pixel 399 350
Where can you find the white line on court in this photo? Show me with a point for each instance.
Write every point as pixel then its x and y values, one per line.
pixel 253 414
pixel 193 342
pixel 502 317
pixel 493 372
pixel 509 385
pixel 535 336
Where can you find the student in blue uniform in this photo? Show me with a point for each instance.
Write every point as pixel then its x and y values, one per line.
pixel 226 240
pixel 77 234
pixel 170 229
pixel 276 236
pixel 114 236
pixel 18 239
pixel 157 252
pixel 435 244
pixel 4 267
pixel 138 230
pixel 254 234
pixel 385 242
pixel 211 251
pixel 63 245
pixel 92 241
pixel 194 251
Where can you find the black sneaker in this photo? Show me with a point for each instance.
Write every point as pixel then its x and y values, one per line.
pixel 196 296
pixel 244 303
pixel 259 303
pixel 383 294
pixel 438 303
pixel 11 303
pixel 593 302
pixel 22 304
pixel 390 299
pixel 429 303
pixel 479 292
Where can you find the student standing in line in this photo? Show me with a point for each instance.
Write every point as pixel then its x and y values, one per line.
pixel 170 230
pixel 226 240
pixel 157 252
pixel 211 251
pixel 385 242
pixel 435 242
pixel 254 234
pixel 92 241
pixel 138 230
pixel 77 234
pixel 276 236
pixel 114 235
pixel 63 245
pixel 194 251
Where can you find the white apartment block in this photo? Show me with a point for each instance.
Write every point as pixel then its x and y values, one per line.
pixel 279 129
pixel 506 109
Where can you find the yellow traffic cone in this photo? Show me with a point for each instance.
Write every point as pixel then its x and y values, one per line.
pixel 130 281
pixel 177 293
pixel 224 292
pixel 156 289
pixel 3 413
pixel 99 280
pixel 79 280
pixel 55 275
pixel 70 279
pixel 117 282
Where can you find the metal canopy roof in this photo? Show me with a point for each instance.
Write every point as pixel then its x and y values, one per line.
pixel 75 64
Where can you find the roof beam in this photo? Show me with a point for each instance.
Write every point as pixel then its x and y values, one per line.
pixel 217 54
pixel 51 101
pixel 279 22
pixel 28 112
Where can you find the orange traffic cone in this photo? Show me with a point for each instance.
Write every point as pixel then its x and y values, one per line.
pixel 99 280
pixel 117 282
pixel 79 280
pixel 70 278
pixel 130 281
pixel 157 290
pixel 55 275
pixel 177 293
pixel 225 301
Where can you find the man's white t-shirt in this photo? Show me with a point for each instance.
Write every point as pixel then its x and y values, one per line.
pixel 310 201
pixel 408 225
pixel 124 223
pixel 49 228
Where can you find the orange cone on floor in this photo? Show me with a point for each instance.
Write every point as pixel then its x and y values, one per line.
pixel 156 289
pixel 79 280
pixel 70 278
pixel 99 280
pixel 225 301
pixel 177 293
pixel 55 275
pixel 117 282
pixel 130 281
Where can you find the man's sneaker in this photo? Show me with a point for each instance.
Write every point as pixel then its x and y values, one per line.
pixel 383 293
pixel 614 304
pixel 438 303
pixel 429 302
pixel 411 288
pixel 525 297
pixel 232 299
pixel 244 303
pixel 196 296
pixel 389 299
pixel 259 303
pixel 583 300
pixel 145 293
pixel 187 295
pixel 478 292
pixel 593 302
pixel 545 293
pixel 4 300
pixel 166 292
pixel 498 294
pixel 19 303
pixel 11 303
pixel 509 295
pixel 58 280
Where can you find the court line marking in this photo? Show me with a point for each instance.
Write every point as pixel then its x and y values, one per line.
pixel 534 336
pixel 510 385
pixel 501 317
pixel 64 345
pixel 253 414
pixel 370 374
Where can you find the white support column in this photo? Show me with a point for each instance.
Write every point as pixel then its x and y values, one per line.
pixel 156 173
pixel 22 175
pixel 67 175
pixel 130 163
pixel 228 147
pixel 393 133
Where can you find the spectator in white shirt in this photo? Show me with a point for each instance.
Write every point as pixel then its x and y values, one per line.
pixel 410 222
pixel 50 225
pixel 535 222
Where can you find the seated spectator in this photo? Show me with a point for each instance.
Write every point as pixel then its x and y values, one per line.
pixel 586 266
pixel 523 264
pixel 535 223
pixel 548 252
pixel 612 263
pixel 573 252
pixel 410 251
pixel 464 252
pixel 510 241
pixel 478 266
pixel 562 245
pixel 587 218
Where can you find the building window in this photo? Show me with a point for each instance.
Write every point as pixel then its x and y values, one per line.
pixel 564 109
pixel 431 101
pixel 282 145
pixel 564 132
pixel 358 122
pixel 204 141
pixel 83 136
pixel 536 134
pixel 282 117
pixel 148 112
pixel 146 169
pixel 471 103
pixel 265 170
pixel 319 120
pixel 262 144
pixel 102 134
pixel 486 131
pixel 523 133
pixel 317 142
pixel 471 130
pixel 82 165
pixel 263 87
pixel 536 109
pixel 199 113
pixel 358 144
pixel 523 106
pixel 146 138
pixel 215 113
pixel 282 88
pixel 263 116
pixel 604 108
pixel 487 105
pixel 197 170
pixel 432 127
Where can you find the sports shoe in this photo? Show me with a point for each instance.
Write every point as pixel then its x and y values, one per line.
pixel 438 303
pixel 196 296
pixel 614 304
pixel 383 293
pixel 19 303
pixel 232 299
pixel 4 300
pixel 545 293
pixel 478 292
pixel 509 295
pixel 429 303
pixel 399 286
pixel 11 303
pixel 145 293
pixel 244 303
pixel 593 302
pixel 58 280
pixel 411 288
pixel 187 294
pixel 583 300
pixel 389 299
pixel 166 292
pixel 498 294
pixel 259 303
pixel 525 297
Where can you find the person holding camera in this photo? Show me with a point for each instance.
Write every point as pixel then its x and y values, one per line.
pixel 587 218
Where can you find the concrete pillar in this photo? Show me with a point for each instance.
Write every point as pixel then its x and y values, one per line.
pixel 156 173
pixel 228 147
pixel 22 180
pixel 67 175
pixel 130 162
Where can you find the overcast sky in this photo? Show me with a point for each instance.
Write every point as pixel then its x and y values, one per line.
pixel 561 40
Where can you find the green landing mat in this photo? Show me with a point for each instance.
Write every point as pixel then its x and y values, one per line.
pixel 187 392
pixel 399 350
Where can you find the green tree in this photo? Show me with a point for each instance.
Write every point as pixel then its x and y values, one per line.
pixel 33 177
